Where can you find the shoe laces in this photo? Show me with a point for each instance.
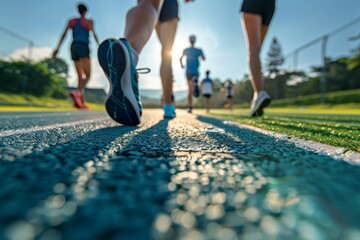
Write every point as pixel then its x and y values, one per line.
pixel 143 70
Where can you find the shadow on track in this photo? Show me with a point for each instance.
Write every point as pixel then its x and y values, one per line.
pixel 313 188
pixel 30 181
pixel 131 188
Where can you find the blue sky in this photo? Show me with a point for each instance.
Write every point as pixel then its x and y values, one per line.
pixel 216 23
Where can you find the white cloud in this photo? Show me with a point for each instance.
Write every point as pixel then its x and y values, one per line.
pixel 36 53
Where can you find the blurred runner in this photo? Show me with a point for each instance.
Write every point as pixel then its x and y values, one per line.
pixel 257 15
pixel 229 92
pixel 207 87
pixel 166 30
pixel 80 52
pixel 192 55
pixel 119 57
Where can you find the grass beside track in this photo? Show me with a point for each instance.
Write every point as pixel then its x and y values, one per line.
pixel 17 102
pixel 336 127
pixel 47 109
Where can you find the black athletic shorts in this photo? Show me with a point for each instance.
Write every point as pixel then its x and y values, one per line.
pixel 169 10
pixel 192 76
pixel 264 8
pixel 206 95
pixel 79 50
pixel 229 97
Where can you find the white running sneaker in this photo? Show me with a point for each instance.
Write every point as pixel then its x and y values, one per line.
pixel 257 105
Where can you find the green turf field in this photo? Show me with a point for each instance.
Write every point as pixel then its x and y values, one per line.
pixel 336 127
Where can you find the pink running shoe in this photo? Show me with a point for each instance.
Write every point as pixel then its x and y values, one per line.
pixel 76 97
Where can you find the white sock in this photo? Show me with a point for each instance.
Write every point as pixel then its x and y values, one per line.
pixel 135 56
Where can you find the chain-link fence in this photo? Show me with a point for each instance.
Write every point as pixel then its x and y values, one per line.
pixel 323 57
pixel 14 46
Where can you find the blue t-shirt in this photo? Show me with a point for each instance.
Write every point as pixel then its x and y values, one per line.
pixel 192 59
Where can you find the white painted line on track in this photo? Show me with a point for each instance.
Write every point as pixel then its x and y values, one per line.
pixel 16 115
pixel 48 127
pixel 22 115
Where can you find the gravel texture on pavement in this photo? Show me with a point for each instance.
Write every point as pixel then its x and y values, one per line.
pixel 80 175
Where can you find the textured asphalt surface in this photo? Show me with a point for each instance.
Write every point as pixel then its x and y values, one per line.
pixel 80 175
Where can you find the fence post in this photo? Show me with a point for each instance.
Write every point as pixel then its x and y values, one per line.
pixel 28 68
pixel 323 79
pixel 296 58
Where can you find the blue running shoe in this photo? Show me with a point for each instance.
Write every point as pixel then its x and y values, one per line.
pixel 123 102
pixel 189 109
pixel 169 111
pixel 196 88
pixel 196 91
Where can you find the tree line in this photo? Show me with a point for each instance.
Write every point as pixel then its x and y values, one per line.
pixel 47 78
pixel 341 74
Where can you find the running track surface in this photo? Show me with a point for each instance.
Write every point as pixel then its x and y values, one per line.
pixel 79 175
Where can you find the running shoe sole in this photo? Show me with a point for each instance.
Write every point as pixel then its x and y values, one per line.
pixel 173 115
pixel 260 111
pixel 120 104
